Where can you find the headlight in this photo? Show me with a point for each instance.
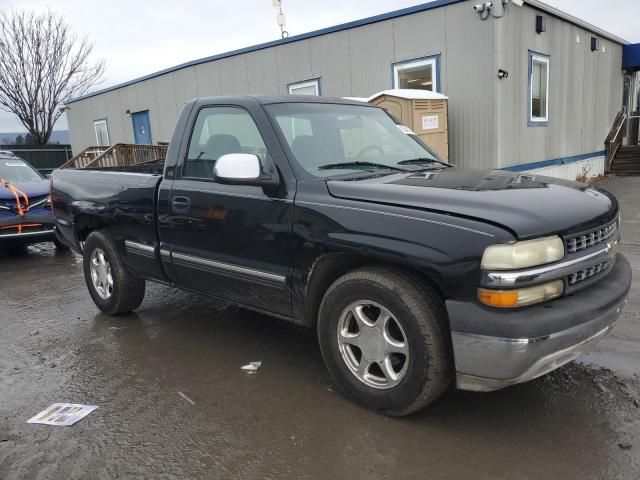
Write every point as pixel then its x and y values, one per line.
pixel 522 296
pixel 529 253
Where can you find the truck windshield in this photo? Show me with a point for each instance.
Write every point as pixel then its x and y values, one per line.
pixel 17 170
pixel 333 139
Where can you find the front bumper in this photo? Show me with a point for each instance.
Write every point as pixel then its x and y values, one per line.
pixel 32 227
pixel 526 345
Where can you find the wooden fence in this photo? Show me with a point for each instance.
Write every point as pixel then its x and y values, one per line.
pixel 124 154
pixel 118 155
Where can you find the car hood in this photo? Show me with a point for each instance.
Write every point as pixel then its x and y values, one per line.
pixel 528 205
pixel 31 189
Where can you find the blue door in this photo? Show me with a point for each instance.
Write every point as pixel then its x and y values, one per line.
pixel 141 127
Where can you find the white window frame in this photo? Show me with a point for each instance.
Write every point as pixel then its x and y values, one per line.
pixel 536 57
pixel 305 84
pixel 423 62
pixel 102 121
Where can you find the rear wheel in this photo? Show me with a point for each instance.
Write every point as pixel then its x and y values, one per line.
pixel 113 288
pixel 383 337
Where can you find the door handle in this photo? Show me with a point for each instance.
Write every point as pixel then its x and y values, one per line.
pixel 181 204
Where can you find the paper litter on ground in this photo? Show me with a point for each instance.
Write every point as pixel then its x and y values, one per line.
pixel 62 414
pixel 251 367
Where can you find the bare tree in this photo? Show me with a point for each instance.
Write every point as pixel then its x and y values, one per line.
pixel 42 65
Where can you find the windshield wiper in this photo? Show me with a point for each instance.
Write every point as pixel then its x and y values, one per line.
pixel 422 161
pixel 335 166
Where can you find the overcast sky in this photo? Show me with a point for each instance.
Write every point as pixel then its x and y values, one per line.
pixel 138 37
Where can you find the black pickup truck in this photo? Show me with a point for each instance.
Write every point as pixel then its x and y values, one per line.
pixel 417 275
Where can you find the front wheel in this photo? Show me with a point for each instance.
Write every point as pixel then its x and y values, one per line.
pixel 383 337
pixel 113 288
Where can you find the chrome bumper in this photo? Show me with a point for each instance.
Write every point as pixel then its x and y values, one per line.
pixel 486 362
pixel 38 233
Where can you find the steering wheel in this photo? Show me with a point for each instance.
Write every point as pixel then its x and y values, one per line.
pixel 370 148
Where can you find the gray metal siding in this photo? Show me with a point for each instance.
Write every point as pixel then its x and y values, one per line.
pixel 467 67
pixel 585 90
pixel 355 62
pixel 233 76
pixel 207 82
pixel 331 62
pixel 262 72
pixel 293 62
pixel 484 112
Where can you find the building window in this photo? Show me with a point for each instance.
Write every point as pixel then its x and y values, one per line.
pixel 420 74
pixel 308 87
pixel 538 89
pixel 102 133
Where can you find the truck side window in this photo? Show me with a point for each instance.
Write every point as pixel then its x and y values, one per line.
pixel 219 131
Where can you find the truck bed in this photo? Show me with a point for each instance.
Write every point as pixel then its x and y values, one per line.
pixel 122 197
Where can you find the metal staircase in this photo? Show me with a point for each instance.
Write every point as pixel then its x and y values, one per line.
pixel 627 160
pixel 624 159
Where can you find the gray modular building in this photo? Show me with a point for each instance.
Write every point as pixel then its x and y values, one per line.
pixel 530 88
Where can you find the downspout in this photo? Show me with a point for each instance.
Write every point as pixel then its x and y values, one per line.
pixel 497 82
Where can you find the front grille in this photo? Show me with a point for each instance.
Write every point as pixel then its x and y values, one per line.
pixel 586 273
pixel 34 202
pixel 589 239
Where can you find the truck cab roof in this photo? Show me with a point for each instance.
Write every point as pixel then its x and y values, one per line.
pixel 267 100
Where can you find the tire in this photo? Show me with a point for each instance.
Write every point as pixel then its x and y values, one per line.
pixel 412 380
pixel 126 291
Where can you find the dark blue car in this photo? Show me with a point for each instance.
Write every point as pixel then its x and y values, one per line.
pixel 25 207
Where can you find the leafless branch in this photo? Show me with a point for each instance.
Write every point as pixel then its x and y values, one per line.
pixel 42 65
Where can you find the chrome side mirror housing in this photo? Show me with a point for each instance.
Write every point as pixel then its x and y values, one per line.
pixel 243 169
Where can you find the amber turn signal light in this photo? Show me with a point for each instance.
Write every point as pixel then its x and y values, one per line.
pixel 522 296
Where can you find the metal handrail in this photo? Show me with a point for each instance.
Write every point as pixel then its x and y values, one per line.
pixel 624 118
pixel 614 140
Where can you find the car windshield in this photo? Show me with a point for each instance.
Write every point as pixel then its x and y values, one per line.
pixel 336 139
pixel 17 170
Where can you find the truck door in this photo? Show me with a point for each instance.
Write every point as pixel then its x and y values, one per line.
pixel 229 241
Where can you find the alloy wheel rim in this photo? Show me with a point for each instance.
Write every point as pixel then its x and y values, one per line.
pixel 373 344
pixel 101 276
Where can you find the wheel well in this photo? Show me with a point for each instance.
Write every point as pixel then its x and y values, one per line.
pixel 85 224
pixel 331 267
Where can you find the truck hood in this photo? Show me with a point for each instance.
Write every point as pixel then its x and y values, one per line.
pixel 31 189
pixel 528 205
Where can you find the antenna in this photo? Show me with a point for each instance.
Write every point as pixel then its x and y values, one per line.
pixel 280 18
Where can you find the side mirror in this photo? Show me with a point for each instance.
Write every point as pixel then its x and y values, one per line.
pixel 243 169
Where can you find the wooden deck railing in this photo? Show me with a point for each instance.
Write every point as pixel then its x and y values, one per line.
pixel 124 154
pixel 614 139
pixel 84 158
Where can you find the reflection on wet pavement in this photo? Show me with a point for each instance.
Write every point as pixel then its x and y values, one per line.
pixel 286 421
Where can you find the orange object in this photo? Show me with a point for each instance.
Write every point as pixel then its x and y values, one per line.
pixel 498 298
pixel 24 225
pixel 17 193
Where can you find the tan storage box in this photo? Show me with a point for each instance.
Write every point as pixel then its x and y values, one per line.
pixel 422 111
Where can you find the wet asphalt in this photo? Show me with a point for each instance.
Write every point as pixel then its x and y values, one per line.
pixel 287 421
